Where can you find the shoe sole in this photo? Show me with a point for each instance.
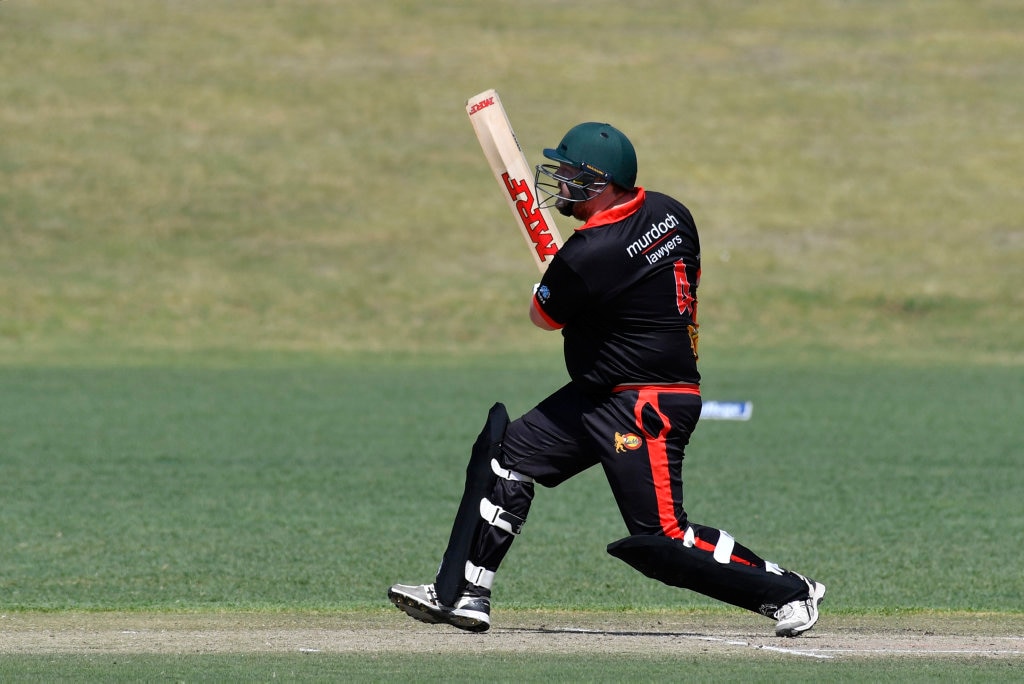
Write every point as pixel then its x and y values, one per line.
pixel 415 609
pixel 817 598
pixel 468 623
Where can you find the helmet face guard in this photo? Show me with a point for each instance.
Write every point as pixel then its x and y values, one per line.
pixel 580 185
pixel 590 157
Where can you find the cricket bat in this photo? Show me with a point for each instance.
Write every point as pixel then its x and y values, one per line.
pixel 514 175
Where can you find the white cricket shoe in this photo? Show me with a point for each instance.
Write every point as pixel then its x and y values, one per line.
pixel 796 617
pixel 471 612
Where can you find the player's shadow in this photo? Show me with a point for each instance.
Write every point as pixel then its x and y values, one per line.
pixel 608 632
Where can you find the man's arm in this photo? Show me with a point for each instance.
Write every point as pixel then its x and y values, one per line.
pixel 537 317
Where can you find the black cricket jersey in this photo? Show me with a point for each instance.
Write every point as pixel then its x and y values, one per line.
pixel 623 291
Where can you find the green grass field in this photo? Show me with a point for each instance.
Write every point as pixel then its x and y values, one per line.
pixel 258 290
pixel 317 486
pixel 564 669
pixel 203 175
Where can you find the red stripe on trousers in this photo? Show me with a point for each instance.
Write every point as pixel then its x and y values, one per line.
pixel 657 453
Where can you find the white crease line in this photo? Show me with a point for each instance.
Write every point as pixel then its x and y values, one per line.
pixel 729 642
pixel 774 649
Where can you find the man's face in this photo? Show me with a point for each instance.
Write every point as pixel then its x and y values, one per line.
pixel 563 204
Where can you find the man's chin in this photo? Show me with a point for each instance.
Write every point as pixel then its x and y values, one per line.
pixel 564 207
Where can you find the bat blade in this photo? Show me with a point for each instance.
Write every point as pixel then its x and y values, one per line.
pixel 514 175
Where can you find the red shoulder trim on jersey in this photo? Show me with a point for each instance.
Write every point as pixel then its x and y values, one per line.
pixel 616 214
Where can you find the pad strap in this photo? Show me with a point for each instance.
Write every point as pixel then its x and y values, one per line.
pixel 500 518
pixel 723 549
pixel 480 576
pixel 508 474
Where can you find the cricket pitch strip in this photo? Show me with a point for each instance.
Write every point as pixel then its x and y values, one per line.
pixel 376 633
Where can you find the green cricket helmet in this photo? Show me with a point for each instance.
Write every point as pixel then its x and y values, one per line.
pixel 599 155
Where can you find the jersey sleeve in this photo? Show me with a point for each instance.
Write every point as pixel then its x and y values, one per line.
pixel 561 294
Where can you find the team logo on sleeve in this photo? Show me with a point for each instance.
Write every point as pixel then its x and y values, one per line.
pixel 543 294
pixel 627 441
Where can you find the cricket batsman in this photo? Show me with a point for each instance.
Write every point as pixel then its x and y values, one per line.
pixel 623 292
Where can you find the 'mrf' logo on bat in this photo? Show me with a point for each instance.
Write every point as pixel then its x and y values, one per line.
pixel 481 105
pixel 531 216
